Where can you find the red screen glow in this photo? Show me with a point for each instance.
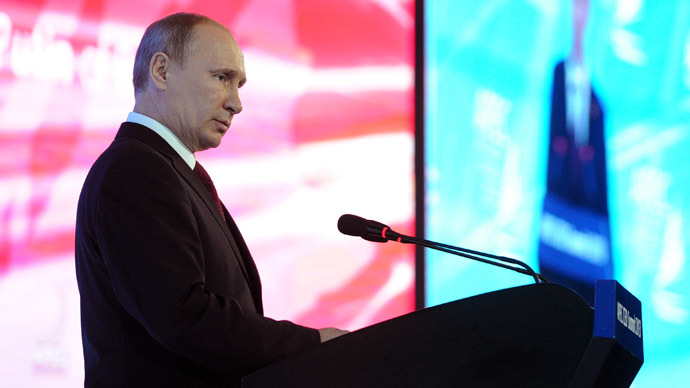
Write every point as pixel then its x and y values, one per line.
pixel 327 129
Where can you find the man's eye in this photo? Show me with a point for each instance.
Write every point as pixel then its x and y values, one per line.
pixel 221 77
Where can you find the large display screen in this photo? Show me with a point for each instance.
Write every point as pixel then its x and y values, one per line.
pixel 587 164
pixel 328 104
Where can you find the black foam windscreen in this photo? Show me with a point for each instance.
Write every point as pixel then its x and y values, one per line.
pixel 352 225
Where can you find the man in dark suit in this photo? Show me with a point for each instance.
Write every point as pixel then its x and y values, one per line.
pixel 170 295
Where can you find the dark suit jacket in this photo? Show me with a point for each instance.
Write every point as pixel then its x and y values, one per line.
pixel 170 295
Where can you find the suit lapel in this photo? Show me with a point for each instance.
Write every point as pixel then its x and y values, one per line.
pixel 255 281
pixel 153 139
pixel 194 181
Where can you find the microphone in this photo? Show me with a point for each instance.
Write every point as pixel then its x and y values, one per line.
pixel 352 225
pixel 375 231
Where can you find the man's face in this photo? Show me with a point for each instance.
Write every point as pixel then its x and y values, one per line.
pixel 580 13
pixel 202 95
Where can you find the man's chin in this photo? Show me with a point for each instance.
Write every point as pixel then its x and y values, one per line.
pixel 211 143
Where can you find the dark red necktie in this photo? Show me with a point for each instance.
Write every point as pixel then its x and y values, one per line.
pixel 206 180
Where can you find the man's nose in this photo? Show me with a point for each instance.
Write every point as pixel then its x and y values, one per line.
pixel 233 104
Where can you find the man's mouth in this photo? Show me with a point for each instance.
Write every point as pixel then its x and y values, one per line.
pixel 224 123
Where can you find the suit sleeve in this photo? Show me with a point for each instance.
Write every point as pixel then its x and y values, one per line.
pixel 149 241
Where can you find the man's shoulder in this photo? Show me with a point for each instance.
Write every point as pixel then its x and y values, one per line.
pixel 135 142
pixel 130 154
pixel 126 151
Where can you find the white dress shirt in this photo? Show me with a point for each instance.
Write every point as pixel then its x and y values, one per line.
pixel 166 134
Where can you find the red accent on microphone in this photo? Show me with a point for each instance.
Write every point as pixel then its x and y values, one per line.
pixel 399 239
pixel 383 232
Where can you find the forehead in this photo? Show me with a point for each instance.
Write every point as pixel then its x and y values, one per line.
pixel 216 46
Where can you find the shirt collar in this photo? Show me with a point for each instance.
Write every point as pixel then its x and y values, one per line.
pixel 166 134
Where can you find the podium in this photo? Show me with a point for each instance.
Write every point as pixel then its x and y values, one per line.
pixel 540 335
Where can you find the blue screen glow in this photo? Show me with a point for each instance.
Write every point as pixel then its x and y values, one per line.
pixel 489 136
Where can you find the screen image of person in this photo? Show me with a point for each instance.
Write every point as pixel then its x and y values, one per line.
pixel 574 247
pixel 170 295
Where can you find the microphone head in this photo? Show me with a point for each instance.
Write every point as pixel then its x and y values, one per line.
pixel 357 226
pixel 352 225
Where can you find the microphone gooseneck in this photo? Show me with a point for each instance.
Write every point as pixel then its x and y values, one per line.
pixel 375 231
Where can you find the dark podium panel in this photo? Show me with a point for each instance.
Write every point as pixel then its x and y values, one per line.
pixel 530 336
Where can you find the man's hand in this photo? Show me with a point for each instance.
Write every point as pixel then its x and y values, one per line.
pixel 329 333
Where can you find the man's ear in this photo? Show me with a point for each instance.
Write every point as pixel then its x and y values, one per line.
pixel 158 70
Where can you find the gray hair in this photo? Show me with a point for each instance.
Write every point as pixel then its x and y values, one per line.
pixel 171 35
